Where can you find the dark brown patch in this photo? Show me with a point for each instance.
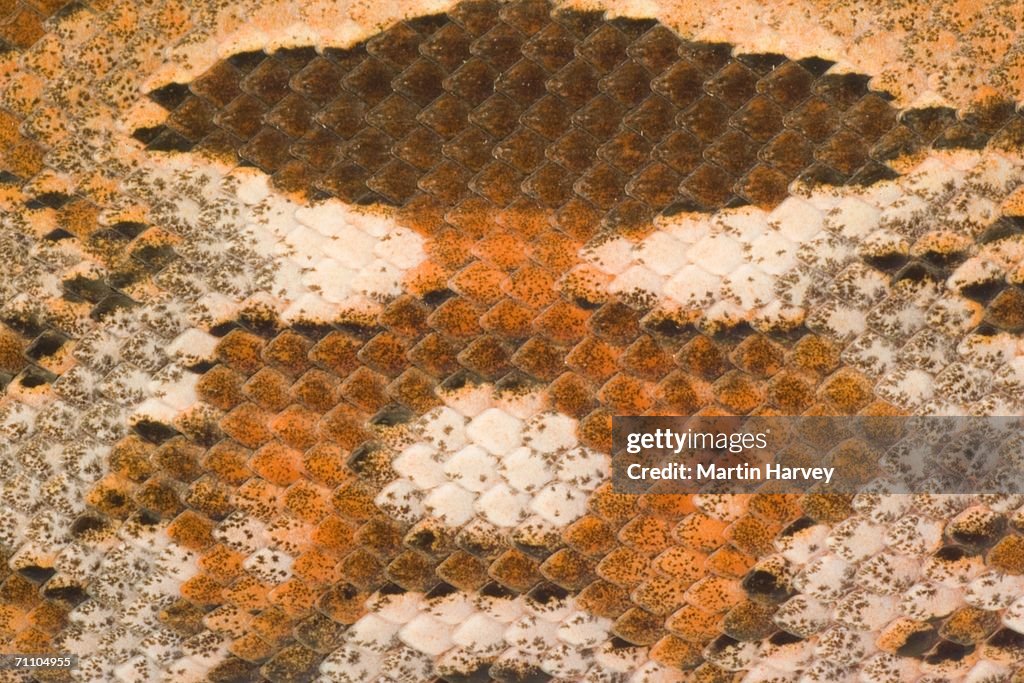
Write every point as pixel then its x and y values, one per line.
pixel 484 102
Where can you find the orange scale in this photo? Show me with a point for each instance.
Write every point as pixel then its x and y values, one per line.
pixel 425 278
pixel 531 285
pixel 571 395
pixel 315 389
pixel 729 561
pixel 752 535
pixel 290 535
pixel 273 624
pixel 672 506
pixel 627 395
pixel 247 593
pixel 202 590
pixel 354 501
pixel 604 599
pixel 229 461
pixel 625 567
pixel 343 603
pixel 336 353
pixel 295 597
pixel 715 594
pixel 776 507
pixel 589 535
pixel 242 351
pixel 277 463
pixel 325 464
pixel 450 249
pixel 615 508
pixel 247 424
pixel 676 653
pixel 191 530
pixel 30 640
pixel 49 617
pixel 555 251
pixel 333 534
pixel 595 430
pixel 694 624
pixel 289 351
pixel 508 319
pixel 307 501
pixel 344 426
pixel 12 620
pixel 260 498
pixel 479 283
pixel 112 495
pixel 594 359
pixel 457 317
pixel 361 568
pixel 661 594
pixel 228 620
pixel 682 563
pixel 700 532
pixel 646 534
pixel 504 250
pixel 252 648
pixel 268 388
pixel 317 567
pixel 211 497
pixel 130 456
pixel 563 322
pixel 222 564
pixel 19 592
pixel 221 387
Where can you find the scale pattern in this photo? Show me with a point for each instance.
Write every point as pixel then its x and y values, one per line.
pixel 309 355
pixel 520 104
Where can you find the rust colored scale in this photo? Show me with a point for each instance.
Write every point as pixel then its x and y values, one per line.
pixel 296 441
pixel 518 105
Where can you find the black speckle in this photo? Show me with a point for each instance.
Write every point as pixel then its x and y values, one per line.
pixel 437 297
pixel 441 590
pixel 87 523
pixel 392 415
pixel 48 200
pixel 947 651
pixel 45 345
pixel 147 135
pixel 247 61
pixel 223 329
pixel 92 290
pixel 155 432
pixel 170 96
pixel 114 302
pixel 201 368
pixel 72 595
pixel 780 638
pixel 816 65
pixel 131 229
pixel 58 235
pixel 547 592
pixel 32 377
pixel 760 583
pixel 917 643
pixel 37 574
pixel 169 141
pixel 493 589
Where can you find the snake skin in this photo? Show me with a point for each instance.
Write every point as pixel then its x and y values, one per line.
pixel 310 346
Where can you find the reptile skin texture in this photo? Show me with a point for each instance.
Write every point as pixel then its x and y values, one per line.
pixel 314 317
